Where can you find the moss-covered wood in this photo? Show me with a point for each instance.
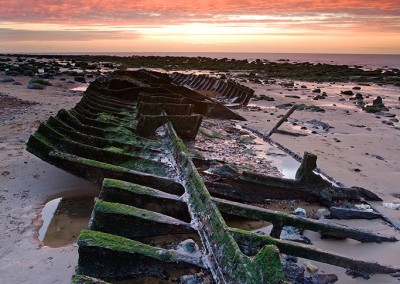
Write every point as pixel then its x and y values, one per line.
pixel 227 262
pixel 251 247
pixel 252 187
pixel 186 126
pixel 280 218
pixel 132 222
pixel 109 256
pixel 170 109
pixel 144 197
pixel 251 243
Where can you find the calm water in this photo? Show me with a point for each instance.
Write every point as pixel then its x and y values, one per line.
pixel 367 60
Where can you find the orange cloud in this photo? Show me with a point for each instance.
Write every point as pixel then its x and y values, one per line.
pixel 141 11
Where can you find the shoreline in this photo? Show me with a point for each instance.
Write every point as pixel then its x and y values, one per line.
pixel 327 58
pixel 259 69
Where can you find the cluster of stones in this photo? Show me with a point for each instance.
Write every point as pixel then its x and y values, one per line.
pixel 42 68
pixel 226 91
pixel 125 134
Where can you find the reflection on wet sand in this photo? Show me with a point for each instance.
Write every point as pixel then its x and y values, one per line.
pixel 64 218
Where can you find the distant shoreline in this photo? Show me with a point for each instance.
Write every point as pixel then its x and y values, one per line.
pixel 308 69
pixel 372 61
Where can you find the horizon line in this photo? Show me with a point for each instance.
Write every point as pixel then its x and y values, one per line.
pixel 177 52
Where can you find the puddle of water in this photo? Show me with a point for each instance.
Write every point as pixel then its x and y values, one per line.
pixel 81 88
pixel 278 158
pixel 286 164
pixel 47 214
pixel 64 218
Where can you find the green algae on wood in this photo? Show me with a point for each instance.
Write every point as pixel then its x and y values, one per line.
pixel 277 218
pixel 132 222
pixel 227 262
pixel 250 243
pixel 109 256
pixel 145 198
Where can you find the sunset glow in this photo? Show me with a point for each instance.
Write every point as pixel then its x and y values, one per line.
pixel 202 26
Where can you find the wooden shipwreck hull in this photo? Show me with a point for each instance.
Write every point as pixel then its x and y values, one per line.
pixel 225 90
pixel 125 134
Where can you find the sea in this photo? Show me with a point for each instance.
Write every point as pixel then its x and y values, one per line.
pixel 368 61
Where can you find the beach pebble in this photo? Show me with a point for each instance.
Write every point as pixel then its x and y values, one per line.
pixel 324 278
pixel 300 212
pixel 355 274
pixel 387 114
pixel 310 267
pixel 362 206
pixel 6 80
pixel 393 206
pixel 387 122
pixel 378 157
pixel 347 93
pixel 321 214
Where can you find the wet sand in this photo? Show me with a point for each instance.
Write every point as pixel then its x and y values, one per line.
pixel 27 183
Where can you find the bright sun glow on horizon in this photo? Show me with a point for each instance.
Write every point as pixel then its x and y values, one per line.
pixel 214 26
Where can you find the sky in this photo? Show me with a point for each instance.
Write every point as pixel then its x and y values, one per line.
pixel 287 26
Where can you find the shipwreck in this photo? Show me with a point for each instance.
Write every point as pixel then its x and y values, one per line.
pixel 128 135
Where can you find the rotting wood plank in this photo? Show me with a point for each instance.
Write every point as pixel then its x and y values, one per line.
pixel 227 263
pixel 250 242
pixel 280 218
pixel 172 205
pixel 109 256
pixel 282 120
pixel 132 222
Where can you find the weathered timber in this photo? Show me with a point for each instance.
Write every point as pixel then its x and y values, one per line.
pixel 323 194
pixel 104 100
pixel 227 263
pixel 253 187
pixel 159 99
pixel 96 171
pixel 250 243
pixel 170 109
pixel 186 126
pixel 350 213
pixel 204 105
pixel 290 133
pixel 57 141
pixel 109 256
pixel 172 205
pixel 305 173
pixel 282 120
pixel 144 197
pixel 280 218
pixel 227 91
pixel 102 138
pixel 132 222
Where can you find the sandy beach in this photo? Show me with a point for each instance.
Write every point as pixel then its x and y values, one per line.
pixel 358 149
